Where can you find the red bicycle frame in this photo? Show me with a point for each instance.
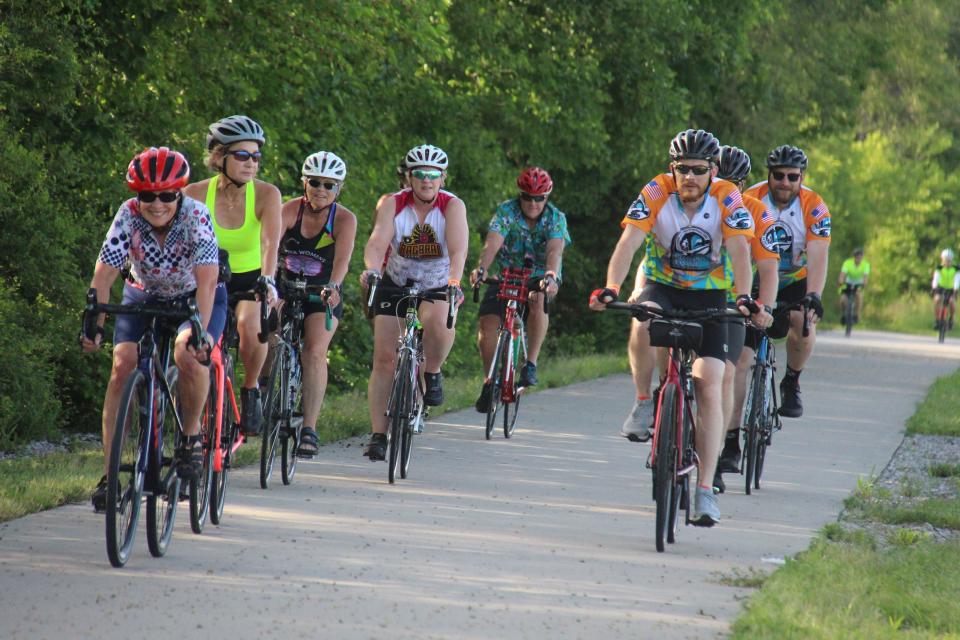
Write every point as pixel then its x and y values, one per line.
pixel 514 291
pixel 224 388
pixel 674 357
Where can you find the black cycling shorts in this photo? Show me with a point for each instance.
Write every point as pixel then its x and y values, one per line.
pixel 240 282
pixel 790 294
pixel 391 304
pixel 715 341
pixel 736 336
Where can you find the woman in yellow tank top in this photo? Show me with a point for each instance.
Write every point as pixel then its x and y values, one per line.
pixel 246 219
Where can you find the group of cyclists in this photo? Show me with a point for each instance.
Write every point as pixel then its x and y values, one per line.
pixel 232 233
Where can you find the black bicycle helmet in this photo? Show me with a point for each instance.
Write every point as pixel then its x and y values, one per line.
pixel 734 164
pixel 235 129
pixel 694 144
pixel 787 156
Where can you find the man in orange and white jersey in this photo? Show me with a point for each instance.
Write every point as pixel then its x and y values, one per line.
pixel 692 220
pixel 801 235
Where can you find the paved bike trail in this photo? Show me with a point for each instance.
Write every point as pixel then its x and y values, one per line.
pixel 547 535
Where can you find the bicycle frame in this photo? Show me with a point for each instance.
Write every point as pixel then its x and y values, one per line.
pixel 679 372
pixel 224 389
pixel 408 344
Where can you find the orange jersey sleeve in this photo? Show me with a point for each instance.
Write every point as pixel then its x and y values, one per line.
pixel 816 216
pixel 737 220
pixel 762 219
pixel 643 212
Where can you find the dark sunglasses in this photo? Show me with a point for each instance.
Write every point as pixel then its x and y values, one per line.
pixel 329 186
pixel 243 156
pixel 530 198
pixel 165 196
pixel 780 175
pixel 698 170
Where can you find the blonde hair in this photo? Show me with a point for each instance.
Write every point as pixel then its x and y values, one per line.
pixel 213 158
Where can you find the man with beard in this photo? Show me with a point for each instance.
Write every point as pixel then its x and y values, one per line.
pixel 801 235
pixel 692 219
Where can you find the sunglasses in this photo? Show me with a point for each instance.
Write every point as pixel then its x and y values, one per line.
pixel 165 196
pixel 530 198
pixel 780 175
pixel 329 186
pixel 698 170
pixel 423 174
pixel 243 156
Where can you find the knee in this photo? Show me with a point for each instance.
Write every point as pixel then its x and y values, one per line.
pixel 124 361
pixel 314 355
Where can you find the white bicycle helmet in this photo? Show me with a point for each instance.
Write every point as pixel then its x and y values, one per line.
pixel 235 129
pixel 324 164
pixel 946 254
pixel 426 155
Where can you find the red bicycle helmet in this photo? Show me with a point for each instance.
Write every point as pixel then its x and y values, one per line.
pixel 156 169
pixel 535 181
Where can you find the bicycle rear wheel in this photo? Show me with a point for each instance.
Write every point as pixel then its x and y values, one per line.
pixel 200 487
pixel 751 427
pixel 125 475
pixel 496 382
pixel 273 416
pixel 162 503
pixel 665 463
pixel 293 427
pixel 398 418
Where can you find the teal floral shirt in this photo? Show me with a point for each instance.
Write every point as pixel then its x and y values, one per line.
pixel 520 241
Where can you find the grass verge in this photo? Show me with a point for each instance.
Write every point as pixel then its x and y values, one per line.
pixel 37 483
pixel 939 414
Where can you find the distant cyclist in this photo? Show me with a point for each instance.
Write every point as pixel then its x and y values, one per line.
pixel 945 278
pixel 167 241
pixel 318 238
pixel 855 271
pixel 528 226
pixel 801 235
pixel 424 229
pixel 246 218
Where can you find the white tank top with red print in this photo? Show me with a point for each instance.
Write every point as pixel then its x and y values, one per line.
pixel 418 252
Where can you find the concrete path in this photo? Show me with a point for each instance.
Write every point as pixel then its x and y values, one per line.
pixel 547 535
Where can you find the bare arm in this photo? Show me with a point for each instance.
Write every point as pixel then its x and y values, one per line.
pixel 206 275
pixel 769 281
pixel 270 224
pixel 630 241
pixel 379 242
pixel 739 251
pixel 345 235
pixel 457 237
pixel 817 254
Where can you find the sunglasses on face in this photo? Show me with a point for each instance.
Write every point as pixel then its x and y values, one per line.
pixel 243 156
pixel 165 196
pixel 329 186
pixel 780 175
pixel 530 198
pixel 698 170
pixel 426 174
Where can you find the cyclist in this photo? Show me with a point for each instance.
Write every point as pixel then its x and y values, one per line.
pixel 801 235
pixel 167 241
pixel 425 230
pixel 318 239
pixel 692 219
pixel 528 226
pixel 246 218
pixel 735 166
pixel 854 270
pixel 943 276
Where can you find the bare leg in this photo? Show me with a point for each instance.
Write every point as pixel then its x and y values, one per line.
pixel 193 385
pixel 537 324
pixel 708 381
pixel 489 326
pixel 252 352
pixel 314 359
pixel 386 330
pixel 124 362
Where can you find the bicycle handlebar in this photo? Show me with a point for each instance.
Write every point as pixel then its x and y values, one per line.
pixel 803 306
pixel 444 293
pixel 533 284
pixel 643 312
pixel 177 311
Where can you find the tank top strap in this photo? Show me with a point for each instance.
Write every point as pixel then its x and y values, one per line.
pixel 211 194
pixel 250 211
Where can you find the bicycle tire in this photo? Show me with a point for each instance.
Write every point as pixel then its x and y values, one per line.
pixel 510 382
pixel 942 336
pixel 496 384
pixel 228 435
pixel 397 418
pixel 272 417
pixel 665 463
pixel 848 319
pixel 769 418
pixel 162 504
pixel 200 487
pixel 751 427
pixel 293 427
pixel 416 401
pixel 125 477
pixel 681 488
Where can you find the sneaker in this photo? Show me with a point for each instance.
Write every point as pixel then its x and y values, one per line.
pixel 790 404
pixel 730 457
pixel 856 319
pixel 486 394
pixel 528 376
pixel 190 458
pixel 251 412
pixel 719 486
pixel 434 394
pixel 99 497
pixel 638 427
pixel 376 448
pixel 707 511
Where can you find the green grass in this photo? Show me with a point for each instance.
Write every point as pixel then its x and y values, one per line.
pixel 939 414
pixel 940 512
pixel 34 484
pixel 944 470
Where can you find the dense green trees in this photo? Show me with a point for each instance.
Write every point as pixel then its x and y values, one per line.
pixel 593 91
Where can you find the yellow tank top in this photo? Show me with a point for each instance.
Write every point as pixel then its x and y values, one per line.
pixel 243 243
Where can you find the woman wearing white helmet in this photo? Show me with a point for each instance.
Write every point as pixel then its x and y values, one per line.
pixel 318 238
pixel 424 229
pixel 246 219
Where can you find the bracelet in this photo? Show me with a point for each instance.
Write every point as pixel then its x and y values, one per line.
pixel 551 274
pixel 453 282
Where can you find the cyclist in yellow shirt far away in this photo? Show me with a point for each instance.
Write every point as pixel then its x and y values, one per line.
pixel 855 270
pixel 945 278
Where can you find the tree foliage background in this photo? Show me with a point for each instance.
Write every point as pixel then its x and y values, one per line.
pixel 593 91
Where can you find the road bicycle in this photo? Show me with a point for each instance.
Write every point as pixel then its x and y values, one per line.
pixel 283 418
pixel 849 291
pixel 514 287
pixel 943 313
pixel 148 428
pixel 673 455
pixel 406 412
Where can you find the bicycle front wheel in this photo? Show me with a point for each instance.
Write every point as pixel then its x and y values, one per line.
pixel 665 462
pixel 272 416
pixel 162 503
pixel 398 413
pixel 293 427
pixel 200 487
pixel 125 475
pixel 751 428
pixel 766 432
pixel 496 382
pixel 511 409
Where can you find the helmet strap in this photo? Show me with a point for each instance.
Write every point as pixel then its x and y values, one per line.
pixel 223 170
pixel 309 206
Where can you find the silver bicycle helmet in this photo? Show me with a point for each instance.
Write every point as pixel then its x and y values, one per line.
pixel 234 129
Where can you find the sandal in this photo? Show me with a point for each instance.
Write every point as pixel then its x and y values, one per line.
pixel 309 443
pixel 190 458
